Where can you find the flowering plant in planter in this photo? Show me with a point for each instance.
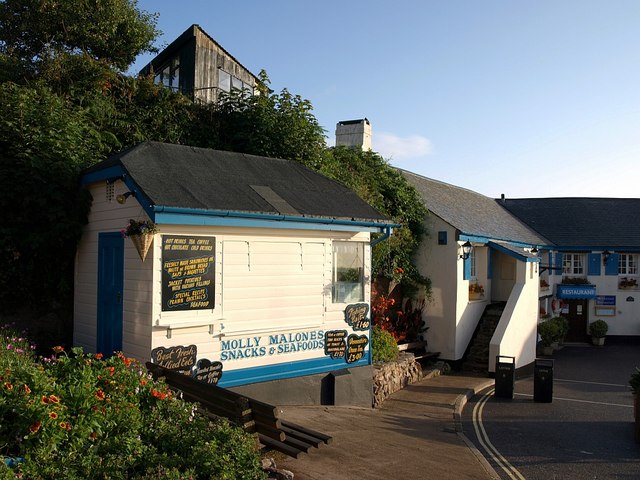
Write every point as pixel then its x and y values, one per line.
pixel 139 227
pixel 476 288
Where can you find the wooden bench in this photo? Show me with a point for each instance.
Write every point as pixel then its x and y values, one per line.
pixel 419 350
pixel 252 415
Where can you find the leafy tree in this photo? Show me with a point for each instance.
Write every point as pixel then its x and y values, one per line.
pixel 279 125
pixel 384 187
pixel 44 142
pixel 72 41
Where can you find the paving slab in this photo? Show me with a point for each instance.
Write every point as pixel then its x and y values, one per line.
pixel 414 434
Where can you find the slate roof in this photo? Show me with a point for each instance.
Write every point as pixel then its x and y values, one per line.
pixel 581 222
pixel 471 213
pixel 198 178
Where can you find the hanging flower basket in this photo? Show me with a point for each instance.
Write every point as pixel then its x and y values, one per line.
pixel 141 234
pixel 142 244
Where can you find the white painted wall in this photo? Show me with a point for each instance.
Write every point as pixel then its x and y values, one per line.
pixel 515 335
pixel 267 283
pixel 435 261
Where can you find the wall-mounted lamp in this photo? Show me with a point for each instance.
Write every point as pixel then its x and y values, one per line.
pixel 466 250
pixel 534 250
pixel 123 197
pixel 605 256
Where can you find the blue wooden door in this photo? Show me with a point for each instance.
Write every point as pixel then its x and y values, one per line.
pixel 110 286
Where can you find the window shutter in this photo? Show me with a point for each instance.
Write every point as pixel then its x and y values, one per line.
pixel 466 275
pixel 594 262
pixel 489 264
pixel 558 264
pixel 611 268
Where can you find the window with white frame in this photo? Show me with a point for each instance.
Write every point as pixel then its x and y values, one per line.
pixel 627 264
pixel 573 264
pixel 348 272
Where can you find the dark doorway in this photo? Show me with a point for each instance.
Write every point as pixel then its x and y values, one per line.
pixel 577 313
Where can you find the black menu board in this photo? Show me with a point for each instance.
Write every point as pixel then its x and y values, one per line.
pixel 188 272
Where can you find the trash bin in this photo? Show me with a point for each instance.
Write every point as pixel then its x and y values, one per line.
pixel 505 376
pixel 543 380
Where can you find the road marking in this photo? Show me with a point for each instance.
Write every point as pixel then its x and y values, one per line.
pixel 577 400
pixel 484 441
pixel 592 383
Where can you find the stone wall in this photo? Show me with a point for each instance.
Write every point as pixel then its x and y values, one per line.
pixel 393 376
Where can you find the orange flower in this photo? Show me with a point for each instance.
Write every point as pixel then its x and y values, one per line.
pixel 27 389
pixel 111 370
pixel 99 356
pixel 8 386
pixel 54 399
pixel 35 427
pixel 58 349
pixel 46 400
pixel 143 382
pixel 100 395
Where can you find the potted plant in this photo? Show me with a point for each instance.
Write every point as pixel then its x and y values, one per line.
pixel 598 330
pixel 549 333
pixel 141 233
pixel 544 285
pixel 476 291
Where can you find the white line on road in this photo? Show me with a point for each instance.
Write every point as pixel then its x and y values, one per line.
pixel 579 401
pixel 592 383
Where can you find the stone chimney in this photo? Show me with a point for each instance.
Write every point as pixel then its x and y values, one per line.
pixel 354 133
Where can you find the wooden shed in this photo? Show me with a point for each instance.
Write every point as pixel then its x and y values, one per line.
pixel 260 269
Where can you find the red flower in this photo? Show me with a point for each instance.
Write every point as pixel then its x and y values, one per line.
pixel 99 356
pixel 65 426
pixel 27 389
pixel 53 415
pixel 111 370
pixel 8 386
pixel 54 399
pixel 58 349
pixel 100 395
pixel 35 427
pixel 46 400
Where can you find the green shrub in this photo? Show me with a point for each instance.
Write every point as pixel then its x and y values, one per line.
pixel 563 326
pixel 549 332
pixel 598 329
pixel 77 416
pixel 384 347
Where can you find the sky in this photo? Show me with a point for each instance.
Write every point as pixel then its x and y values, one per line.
pixel 522 98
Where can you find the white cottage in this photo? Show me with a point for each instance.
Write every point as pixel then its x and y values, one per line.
pixel 484 270
pixel 260 267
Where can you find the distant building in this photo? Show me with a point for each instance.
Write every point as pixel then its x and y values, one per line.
pixel 354 133
pixel 197 66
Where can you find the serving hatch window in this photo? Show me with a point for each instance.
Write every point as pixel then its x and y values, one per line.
pixel 348 272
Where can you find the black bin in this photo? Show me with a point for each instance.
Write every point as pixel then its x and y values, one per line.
pixel 505 376
pixel 543 380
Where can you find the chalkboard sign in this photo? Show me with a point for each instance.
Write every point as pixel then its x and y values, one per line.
pixel 207 371
pixel 175 358
pixel 355 347
pixel 335 344
pixel 188 272
pixel 356 316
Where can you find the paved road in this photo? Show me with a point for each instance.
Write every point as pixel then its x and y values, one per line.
pixel 585 433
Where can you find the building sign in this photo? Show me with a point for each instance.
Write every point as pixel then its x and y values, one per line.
pixel 576 291
pixel 207 371
pixel 356 316
pixel 606 300
pixel 270 345
pixel 188 272
pixel 175 358
pixel 356 345
pixel 335 344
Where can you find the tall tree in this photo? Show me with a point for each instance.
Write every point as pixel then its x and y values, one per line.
pixel 71 41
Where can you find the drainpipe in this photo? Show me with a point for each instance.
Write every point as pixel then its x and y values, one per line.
pixel 385 236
